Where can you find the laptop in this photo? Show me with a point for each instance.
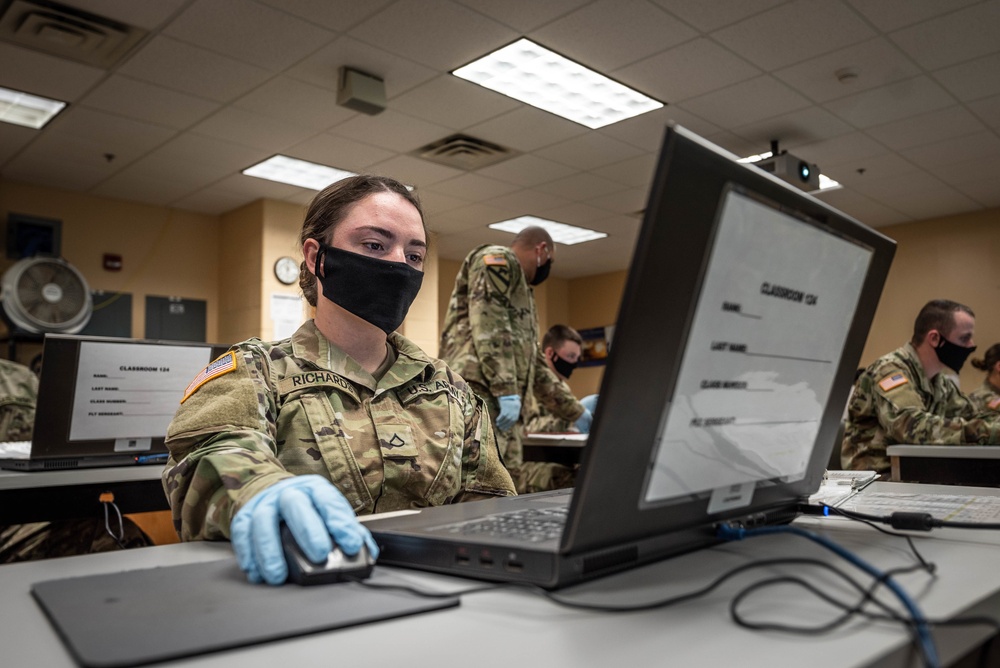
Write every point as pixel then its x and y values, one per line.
pixel 105 401
pixel 744 315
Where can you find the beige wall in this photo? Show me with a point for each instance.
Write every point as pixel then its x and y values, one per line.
pixel 957 258
pixel 165 252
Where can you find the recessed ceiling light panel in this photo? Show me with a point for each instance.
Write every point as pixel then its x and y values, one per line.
pixel 542 78
pixel 561 232
pixel 31 111
pixel 293 171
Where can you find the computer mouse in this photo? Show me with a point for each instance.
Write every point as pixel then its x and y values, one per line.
pixel 338 567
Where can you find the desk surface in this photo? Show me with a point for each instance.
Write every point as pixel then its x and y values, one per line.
pixel 533 631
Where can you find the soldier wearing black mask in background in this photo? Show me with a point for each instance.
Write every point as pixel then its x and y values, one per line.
pixel 906 396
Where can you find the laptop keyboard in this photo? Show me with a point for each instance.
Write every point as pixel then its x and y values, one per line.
pixel 532 525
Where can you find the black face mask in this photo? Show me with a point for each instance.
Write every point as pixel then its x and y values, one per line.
pixel 953 355
pixel 563 368
pixel 377 291
pixel 542 272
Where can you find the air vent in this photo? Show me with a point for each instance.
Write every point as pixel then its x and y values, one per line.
pixel 464 152
pixel 67 32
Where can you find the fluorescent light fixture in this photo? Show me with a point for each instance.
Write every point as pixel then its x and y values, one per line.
pixel 561 232
pixel 826 183
pixel 31 111
pixel 755 158
pixel 296 172
pixel 532 74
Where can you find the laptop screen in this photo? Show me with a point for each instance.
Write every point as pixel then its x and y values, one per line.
pixel 776 303
pixel 103 395
pixel 744 316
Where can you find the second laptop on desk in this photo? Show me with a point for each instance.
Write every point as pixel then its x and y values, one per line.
pixel 107 401
pixel 745 312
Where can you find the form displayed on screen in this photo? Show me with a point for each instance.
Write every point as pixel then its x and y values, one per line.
pixel 777 299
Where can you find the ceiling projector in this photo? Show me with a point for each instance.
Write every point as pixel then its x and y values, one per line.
pixel 788 168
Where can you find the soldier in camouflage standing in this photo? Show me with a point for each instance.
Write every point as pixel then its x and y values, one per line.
pixel 45 540
pixel 986 397
pixel 345 417
pixel 904 397
pixel 490 337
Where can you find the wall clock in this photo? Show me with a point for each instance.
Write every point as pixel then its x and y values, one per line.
pixel 286 270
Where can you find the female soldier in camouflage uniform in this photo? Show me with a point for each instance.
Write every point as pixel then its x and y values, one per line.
pixel 987 396
pixel 345 417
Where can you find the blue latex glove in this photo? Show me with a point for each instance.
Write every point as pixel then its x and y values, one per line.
pixel 313 509
pixel 510 411
pixel 582 423
pixel 590 402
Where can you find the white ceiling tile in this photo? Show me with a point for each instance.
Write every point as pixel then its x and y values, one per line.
pixel 708 16
pixel 926 128
pixel 526 170
pixel 941 153
pixel 893 14
pixel 169 63
pixel 923 204
pixel 686 71
pixel 528 202
pixel 249 129
pixel 646 130
pixel 975 171
pixel 323 67
pixel 635 172
pixel 392 130
pixel 589 151
pixel 435 203
pixel 972 80
pixel 249 32
pixel 146 102
pixel 876 62
pixel 473 187
pixel 870 168
pixel 804 126
pixel 146 14
pixel 40 74
pixel 339 15
pixel 983 191
pixel 580 186
pixel 436 33
pixel 192 148
pixel 738 146
pixel 577 213
pixel 63 173
pixel 624 202
pixel 13 138
pixel 339 152
pixel 608 34
pixel 128 185
pixel 746 102
pixel 523 15
pixel 254 188
pixel 962 35
pixel 862 207
pixel 474 217
pixel 211 201
pixel 793 32
pixel 900 99
pixel 107 133
pixel 845 149
pixel 193 174
pixel 454 102
pixel 526 129
pixel 414 171
pixel 296 102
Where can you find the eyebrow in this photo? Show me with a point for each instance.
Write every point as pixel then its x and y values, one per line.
pixel 386 234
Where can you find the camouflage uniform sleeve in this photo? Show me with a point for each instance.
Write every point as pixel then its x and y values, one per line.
pixel 553 393
pixel 491 322
pixel 222 445
pixel 484 475
pixel 905 418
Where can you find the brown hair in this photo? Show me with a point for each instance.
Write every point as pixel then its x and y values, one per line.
pixel 989 360
pixel 559 334
pixel 332 205
pixel 938 314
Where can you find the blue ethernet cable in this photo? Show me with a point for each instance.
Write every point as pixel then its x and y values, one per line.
pixel 731 533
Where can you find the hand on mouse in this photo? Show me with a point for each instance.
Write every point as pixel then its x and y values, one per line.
pixel 314 511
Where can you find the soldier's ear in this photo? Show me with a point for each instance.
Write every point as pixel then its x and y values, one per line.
pixel 934 338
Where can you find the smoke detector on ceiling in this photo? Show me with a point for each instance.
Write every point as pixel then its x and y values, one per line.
pixel 67 32
pixel 464 152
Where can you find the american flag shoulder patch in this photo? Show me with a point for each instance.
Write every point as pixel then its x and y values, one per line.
pixel 893 381
pixel 221 366
pixel 494 260
pixel 995 404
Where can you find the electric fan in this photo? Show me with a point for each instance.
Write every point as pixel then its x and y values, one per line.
pixel 46 294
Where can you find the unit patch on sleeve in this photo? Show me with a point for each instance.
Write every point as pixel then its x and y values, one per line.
pixel 221 366
pixel 893 381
